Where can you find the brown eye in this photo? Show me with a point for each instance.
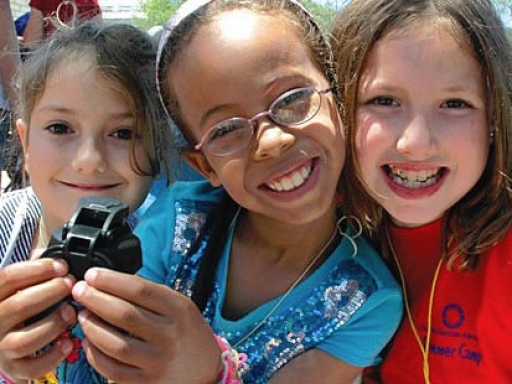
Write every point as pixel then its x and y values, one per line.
pixel 384 101
pixel 455 104
pixel 124 134
pixel 59 129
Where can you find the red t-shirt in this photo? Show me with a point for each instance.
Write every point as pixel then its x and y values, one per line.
pixel 87 9
pixel 471 333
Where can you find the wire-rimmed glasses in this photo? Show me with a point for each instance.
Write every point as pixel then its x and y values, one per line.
pixel 292 108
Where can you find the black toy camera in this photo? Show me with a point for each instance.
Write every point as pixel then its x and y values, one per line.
pixel 96 236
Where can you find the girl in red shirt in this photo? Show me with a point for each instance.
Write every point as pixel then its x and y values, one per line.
pixel 427 85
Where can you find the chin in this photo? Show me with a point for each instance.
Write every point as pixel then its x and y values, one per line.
pixel 413 219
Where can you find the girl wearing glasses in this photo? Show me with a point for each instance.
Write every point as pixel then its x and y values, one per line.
pixel 258 275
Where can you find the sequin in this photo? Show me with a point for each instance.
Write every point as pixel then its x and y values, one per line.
pixel 188 228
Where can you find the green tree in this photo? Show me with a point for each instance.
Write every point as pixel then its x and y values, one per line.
pixel 323 13
pixel 156 12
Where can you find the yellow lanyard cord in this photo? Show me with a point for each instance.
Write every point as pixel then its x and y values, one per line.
pixel 424 349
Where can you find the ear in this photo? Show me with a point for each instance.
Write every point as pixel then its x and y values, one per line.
pixel 22 129
pixel 201 164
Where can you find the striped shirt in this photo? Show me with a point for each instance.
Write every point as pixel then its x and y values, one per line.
pixel 20 212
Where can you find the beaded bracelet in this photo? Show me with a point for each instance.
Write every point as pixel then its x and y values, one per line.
pixel 231 360
pixel 5 378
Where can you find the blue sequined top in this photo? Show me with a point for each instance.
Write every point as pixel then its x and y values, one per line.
pixel 349 307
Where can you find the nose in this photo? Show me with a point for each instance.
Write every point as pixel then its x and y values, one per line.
pixel 90 156
pixel 418 139
pixel 271 140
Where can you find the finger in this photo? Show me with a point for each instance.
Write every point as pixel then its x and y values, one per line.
pixel 120 313
pixel 27 273
pixel 33 300
pixel 110 367
pixel 26 341
pixel 36 366
pixel 135 289
pixel 137 319
pixel 118 346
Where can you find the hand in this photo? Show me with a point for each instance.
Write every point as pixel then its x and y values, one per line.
pixel 26 289
pixel 138 331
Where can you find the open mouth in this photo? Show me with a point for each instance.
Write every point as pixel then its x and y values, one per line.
pixel 293 180
pixel 414 179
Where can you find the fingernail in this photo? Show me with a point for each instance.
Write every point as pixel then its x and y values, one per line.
pixel 59 266
pixel 66 346
pixel 69 280
pixel 91 274
pixel 82 316
pixel 67 313
pixel 79 288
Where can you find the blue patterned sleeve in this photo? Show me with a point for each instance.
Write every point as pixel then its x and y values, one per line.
pixel 156 231
pixel 362 339
pixel 368 332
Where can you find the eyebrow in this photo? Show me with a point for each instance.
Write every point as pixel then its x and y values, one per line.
pixel 213 110
pixel 66 110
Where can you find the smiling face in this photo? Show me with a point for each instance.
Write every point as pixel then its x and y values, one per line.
pixel 236 66
pixel 79 143
pixel 422 132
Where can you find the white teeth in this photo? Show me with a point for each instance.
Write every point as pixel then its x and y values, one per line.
pixel 292 181
pixel 414 179
pixel 287 184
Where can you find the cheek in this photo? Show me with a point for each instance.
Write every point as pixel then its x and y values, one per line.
pixel 40 159
pixel 375 131
pixel 230 172
pixel 372 142
pixel 227 168
pixel 474 151
pixel 365 139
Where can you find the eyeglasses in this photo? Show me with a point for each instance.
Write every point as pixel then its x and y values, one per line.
pixel 292 108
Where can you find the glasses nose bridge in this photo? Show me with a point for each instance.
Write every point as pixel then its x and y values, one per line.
pixel 253 122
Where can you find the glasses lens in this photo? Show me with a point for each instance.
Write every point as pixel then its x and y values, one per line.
pixel 228 136
pixel 296 107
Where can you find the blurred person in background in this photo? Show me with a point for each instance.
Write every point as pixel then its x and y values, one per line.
pixel 46 16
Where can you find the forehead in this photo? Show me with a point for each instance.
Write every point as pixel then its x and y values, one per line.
pixel 426 26
pixel 427 41
pixel 239 42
